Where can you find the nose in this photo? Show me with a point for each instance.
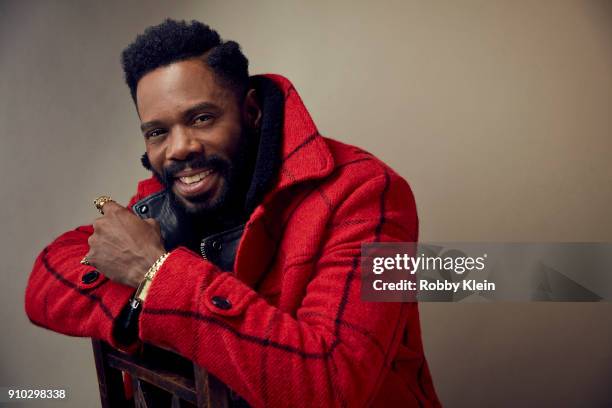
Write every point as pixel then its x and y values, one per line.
pixel 182 144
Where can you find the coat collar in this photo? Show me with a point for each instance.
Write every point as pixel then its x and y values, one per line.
pixel 304 153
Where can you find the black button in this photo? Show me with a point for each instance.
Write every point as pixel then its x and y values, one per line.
pixel 143 209
pixel 221 302
pixel 216 245
pixel 90 277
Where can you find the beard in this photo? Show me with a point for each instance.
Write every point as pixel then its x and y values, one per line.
pixel 203 204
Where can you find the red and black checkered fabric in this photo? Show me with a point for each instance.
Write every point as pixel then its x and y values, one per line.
pixel 296 333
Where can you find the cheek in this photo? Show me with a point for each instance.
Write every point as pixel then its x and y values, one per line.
pixel 226 142
pixel 155 158
pixel 238 140
pixel 234 146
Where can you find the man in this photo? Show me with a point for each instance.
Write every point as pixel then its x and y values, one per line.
pixel 242 251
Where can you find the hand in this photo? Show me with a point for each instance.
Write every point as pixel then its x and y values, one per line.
pixel 123 247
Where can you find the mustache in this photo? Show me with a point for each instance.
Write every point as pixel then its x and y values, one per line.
pixel 168 174
pixel 203 162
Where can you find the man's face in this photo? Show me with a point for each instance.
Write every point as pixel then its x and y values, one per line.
pixel 194 133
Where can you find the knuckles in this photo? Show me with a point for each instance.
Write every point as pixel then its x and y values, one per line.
pixel 153 223
pixel 98 223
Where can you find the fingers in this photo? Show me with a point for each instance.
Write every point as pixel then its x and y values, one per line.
pixel 87 259
pixel 151 221
pixel 111 206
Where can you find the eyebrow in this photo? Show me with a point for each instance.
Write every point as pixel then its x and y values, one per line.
pixel 188 113
pixel 147 125
pixel 200 107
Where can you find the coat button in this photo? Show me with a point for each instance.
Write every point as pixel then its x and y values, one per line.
pixel 143 209
pixel 90 277
pixel 221 302
pixel 216 245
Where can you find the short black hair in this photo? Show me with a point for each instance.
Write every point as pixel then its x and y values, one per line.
pixel 173 41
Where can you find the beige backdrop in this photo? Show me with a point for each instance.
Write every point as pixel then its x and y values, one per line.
pixel 497 112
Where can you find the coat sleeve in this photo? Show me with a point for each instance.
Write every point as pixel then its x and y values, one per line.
pixel 333 352
pixel 70 298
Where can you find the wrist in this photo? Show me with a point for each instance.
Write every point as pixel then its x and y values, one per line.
pixel 145 263
pixel 143 287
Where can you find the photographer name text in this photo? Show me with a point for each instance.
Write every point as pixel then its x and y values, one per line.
pixel 471 285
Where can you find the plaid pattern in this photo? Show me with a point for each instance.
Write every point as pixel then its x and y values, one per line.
pixel 296 334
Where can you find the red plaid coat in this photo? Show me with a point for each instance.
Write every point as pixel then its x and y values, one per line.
pixel 297 333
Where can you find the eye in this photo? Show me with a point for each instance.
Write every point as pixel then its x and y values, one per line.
pixel 205 117
pixel 155 133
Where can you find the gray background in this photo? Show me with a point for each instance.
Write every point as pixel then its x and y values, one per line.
pixel 497 113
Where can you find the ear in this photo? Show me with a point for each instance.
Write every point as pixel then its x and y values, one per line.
pixel 252 110
pixel 146 163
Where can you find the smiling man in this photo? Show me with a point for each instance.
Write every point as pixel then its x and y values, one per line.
pixel 185 100
pixel 242 251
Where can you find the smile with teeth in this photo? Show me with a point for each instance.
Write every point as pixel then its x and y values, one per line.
pixel 195 178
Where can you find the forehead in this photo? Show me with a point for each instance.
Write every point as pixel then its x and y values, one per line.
pixel 178 86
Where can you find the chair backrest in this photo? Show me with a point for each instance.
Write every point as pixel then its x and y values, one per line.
pixel 158 378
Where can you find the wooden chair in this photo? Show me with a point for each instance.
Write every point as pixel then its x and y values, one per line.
pixel 159 379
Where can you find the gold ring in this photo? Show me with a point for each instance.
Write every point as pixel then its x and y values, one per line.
pixel 85 261
pixel 100 201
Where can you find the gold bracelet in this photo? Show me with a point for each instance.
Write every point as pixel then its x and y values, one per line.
pixel 143 288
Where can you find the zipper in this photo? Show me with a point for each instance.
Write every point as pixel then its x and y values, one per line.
pixel 217 236
pixel 203 249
